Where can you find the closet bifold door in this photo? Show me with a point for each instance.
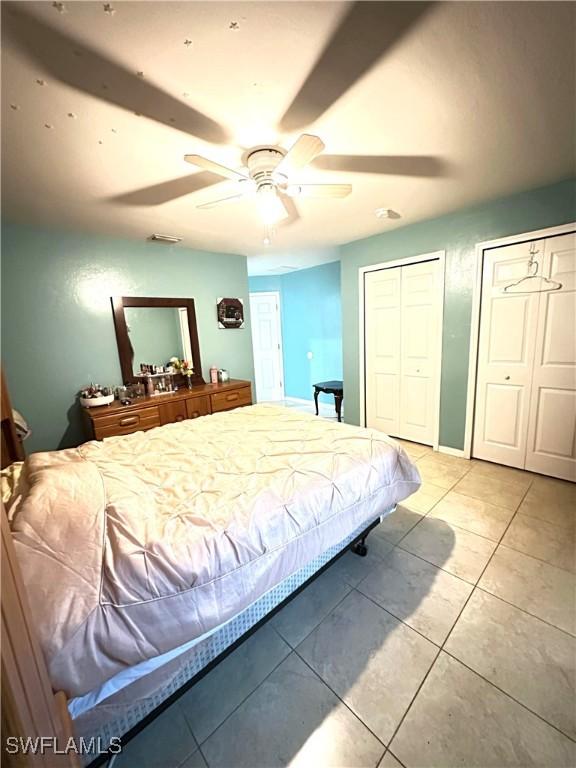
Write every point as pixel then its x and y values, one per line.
pixel 420 340
pixel 551 448
pixel 382 309
pixel 505 359
pixel 402 337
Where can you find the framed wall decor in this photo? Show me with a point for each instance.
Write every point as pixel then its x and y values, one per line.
pixel 230 313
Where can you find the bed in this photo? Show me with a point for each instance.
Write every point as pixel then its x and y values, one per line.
pixel 147 557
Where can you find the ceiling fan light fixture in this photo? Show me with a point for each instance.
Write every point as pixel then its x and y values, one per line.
pixel 269 205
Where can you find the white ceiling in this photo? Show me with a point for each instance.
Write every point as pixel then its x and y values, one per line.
pixel 486 89
pixel 276 262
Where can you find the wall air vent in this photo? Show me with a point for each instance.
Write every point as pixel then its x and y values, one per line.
pixel 168 239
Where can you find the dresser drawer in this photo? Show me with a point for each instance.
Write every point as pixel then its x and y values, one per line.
pixel 174 411
pixel 223 401
pixel 198 406
pixel 125 423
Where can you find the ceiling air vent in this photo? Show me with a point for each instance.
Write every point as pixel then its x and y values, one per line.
pixel 168 239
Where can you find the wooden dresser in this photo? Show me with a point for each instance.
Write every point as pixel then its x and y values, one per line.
pixel 147 412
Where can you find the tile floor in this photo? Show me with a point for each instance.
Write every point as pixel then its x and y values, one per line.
pixel 453 643
pixel 326 410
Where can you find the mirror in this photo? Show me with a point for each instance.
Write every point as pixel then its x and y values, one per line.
pixel 150 331
pixel 157 334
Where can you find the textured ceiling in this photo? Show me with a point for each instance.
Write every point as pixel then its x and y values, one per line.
pixel 99 108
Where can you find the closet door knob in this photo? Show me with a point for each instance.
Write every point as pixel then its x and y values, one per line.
pixel 507 378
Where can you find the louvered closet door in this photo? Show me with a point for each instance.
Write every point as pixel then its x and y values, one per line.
pixel 402 320
pixel 551 440
pixel 382 353
pixel 508 324
pixel 420 339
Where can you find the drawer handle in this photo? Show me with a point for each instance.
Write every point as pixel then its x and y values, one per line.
pixel 232 396
pixel 128 420
pixel 195 415
pixel 180 417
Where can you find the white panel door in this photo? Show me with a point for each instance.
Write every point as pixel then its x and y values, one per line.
pixel 267 345
pixel 508 324
pixel 551 447
pixel 420 340
pixel 402 307
pixel 382 353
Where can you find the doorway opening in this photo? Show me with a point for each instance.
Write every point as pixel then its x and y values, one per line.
pixel 267 345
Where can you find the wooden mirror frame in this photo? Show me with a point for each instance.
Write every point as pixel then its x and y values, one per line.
pixel 125 349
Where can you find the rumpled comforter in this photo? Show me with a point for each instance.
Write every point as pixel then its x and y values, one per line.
pixel 135 545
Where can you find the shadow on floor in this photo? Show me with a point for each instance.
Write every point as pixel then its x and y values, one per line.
pixel 359 653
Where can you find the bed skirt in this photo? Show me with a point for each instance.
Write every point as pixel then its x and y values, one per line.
pixel 115 716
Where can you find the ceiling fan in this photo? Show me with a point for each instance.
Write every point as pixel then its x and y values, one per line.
pixel 270 176
pixel 269 179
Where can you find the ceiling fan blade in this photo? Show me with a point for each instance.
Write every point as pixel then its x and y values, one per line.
pixel 395 165
pixel 210 165
pixel 319 190
pixel 292 212
pixel 67 59
pixel 363 36
pixel 165 191
pixel 302 152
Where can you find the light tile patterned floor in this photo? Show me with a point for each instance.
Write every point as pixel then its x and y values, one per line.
pixel 453 643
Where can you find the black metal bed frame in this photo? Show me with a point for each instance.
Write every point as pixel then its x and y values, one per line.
pixel 357 545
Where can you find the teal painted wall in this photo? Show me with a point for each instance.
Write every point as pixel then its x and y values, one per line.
pixel 57 329
pixel 457 234
pixel 311 314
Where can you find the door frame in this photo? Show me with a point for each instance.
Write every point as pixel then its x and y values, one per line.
pixel 276 295
pixel 486 245
pixel 439 256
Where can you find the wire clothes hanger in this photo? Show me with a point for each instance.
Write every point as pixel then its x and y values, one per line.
pixel 521 286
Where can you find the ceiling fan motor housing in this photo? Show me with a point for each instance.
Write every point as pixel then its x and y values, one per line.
pixel 261 163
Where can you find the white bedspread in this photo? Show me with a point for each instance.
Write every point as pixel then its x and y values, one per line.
pixel 135 545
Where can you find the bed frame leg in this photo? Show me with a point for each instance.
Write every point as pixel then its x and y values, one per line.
pixel 360 547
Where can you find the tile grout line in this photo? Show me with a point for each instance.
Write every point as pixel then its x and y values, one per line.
pixel 484 569
pixel 523 610
pixel 470 583
pixel 509 695
pixel 203 756
pixel 453 626
pixel 539 559
pixel 498 542
pixel 293 647
pixel 441 648
pixel 283 659
pixel 566 528
pixel 292 650
pixel 402 621
pixel 356 716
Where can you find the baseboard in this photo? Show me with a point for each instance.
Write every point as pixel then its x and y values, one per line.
pixel 452 451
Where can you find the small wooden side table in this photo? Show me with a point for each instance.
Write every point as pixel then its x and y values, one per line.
pixel 335 388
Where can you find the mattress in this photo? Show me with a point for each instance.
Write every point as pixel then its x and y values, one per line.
pixel 134 546
pixel 114 708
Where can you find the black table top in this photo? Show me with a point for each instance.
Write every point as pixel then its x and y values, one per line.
pixel 330 385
